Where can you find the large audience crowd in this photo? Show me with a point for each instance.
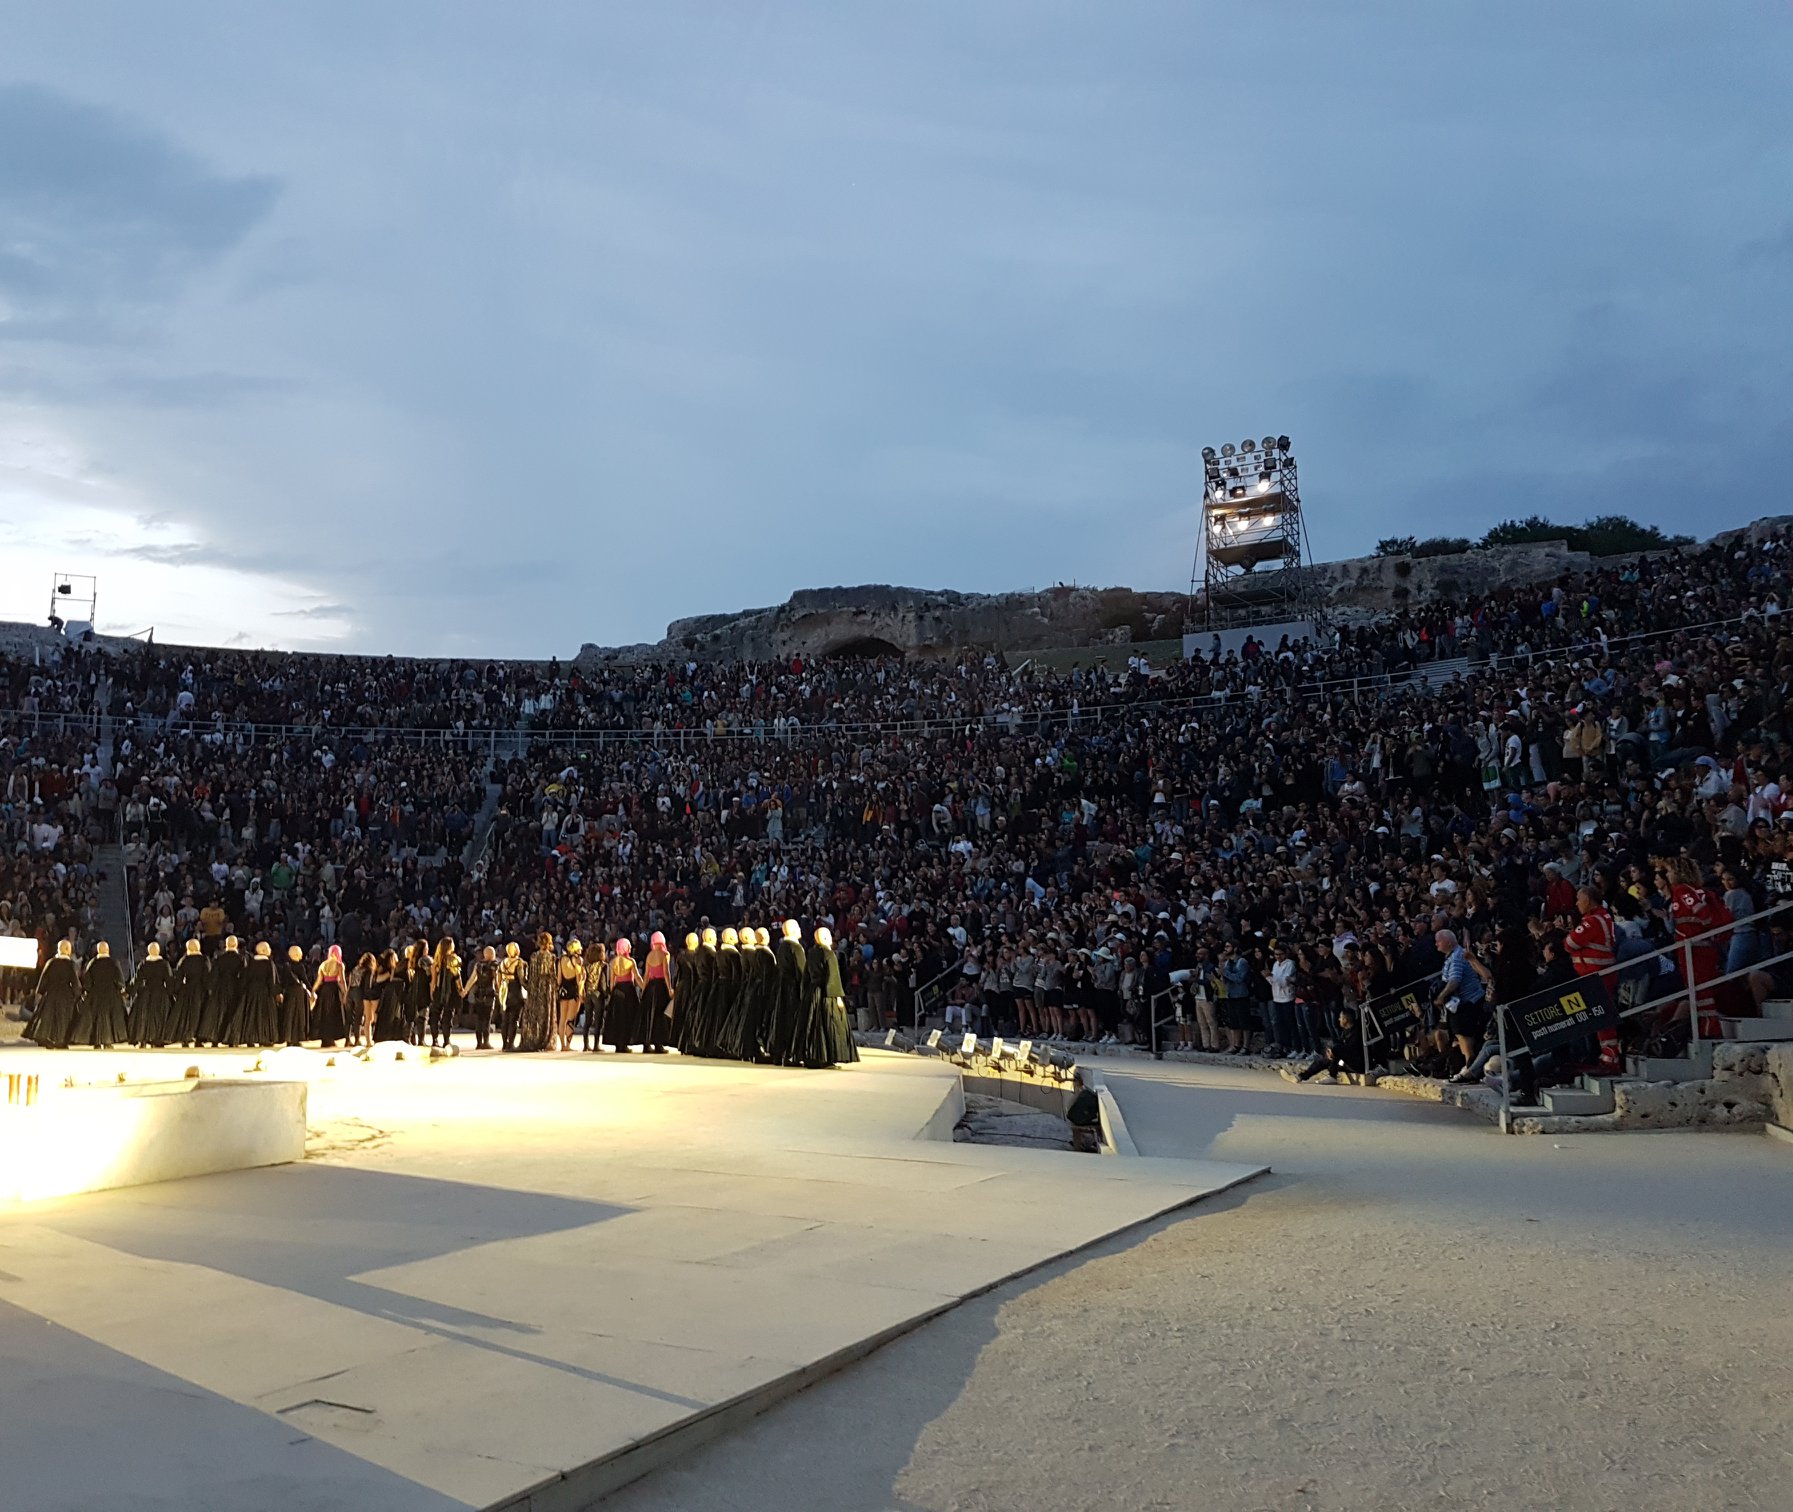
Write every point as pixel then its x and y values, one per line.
pixel 1237 852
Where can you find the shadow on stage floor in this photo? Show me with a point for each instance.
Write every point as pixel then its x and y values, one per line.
pixel 312 1229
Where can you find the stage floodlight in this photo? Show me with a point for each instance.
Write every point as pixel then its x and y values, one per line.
pixel 1207 454
pixel 1282 443
pixel 19 952
pixel 1248 445
pixel 1227 450
pixel 1237 491
pixel 1268 443
pixel 1263 483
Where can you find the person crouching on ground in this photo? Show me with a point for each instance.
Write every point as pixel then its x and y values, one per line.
pixel 1343 1052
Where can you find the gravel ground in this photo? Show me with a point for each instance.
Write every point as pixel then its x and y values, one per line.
pixel 1412 1313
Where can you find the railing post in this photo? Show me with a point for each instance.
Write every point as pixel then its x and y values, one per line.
pixel 1693 998
pixel 1506 1071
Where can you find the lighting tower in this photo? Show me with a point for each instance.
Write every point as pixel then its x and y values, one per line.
pixel 1250 565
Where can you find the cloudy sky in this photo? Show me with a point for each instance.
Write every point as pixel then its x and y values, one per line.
pixel 433 327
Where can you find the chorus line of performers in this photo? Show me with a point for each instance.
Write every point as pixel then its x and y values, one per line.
pixel 737 995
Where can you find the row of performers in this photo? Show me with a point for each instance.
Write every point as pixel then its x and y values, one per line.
pixel 732 996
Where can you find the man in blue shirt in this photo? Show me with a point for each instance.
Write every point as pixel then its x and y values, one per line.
pixel 1462 994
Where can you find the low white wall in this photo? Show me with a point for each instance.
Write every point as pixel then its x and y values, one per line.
pixel 89 1139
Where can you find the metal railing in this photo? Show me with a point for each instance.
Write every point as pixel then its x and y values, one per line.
pixel 928 986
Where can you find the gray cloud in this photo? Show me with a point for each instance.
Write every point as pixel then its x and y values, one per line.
pixel 556 331
pixel 103 216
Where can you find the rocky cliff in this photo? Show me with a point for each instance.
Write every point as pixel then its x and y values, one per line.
pixel 877 619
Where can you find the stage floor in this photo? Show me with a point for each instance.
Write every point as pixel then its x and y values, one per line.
pixel 507 1280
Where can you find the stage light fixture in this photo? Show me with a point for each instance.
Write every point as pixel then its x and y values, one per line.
pixel 1263 483
pixel 1282 443
pixel 1207 454
pixel 1268 443
pixel 1237 491
pixel 1227 450
pixel 1248 445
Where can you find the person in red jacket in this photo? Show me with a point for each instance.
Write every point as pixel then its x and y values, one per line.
pixel 1593 950
pixel 1695 910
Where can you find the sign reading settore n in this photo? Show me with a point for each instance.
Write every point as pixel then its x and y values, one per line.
pixel 1562 1015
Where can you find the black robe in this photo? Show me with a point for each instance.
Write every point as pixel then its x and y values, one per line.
pixel 295 1004
pixel 103 1023
pixel 329 1014
pixel 743 1033
pixel 192 994
pixel 687 1001
pixel 724 1006
pixel 624 1023
pixel 258 1022
pixel 58 1003
pixel 705 1016
pixel 829 1007
pixel 223 1001
pixel 152 1003
pixel 788 1040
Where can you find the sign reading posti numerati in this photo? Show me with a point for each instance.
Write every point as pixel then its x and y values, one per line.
pixel 1563 1015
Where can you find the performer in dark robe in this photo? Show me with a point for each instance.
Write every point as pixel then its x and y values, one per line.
pixel 687 997
pixel 103 1023
pixel 295 999
pixel 391 979
pixel 726 1008
pixel 446 992
pixel 597 995
pixel 258 1019
pixel 152 1000
pixel 787 1041
pixel 704 1031
pixel 58 1005
pixel 330 1001
pixel 420 994
pixel 656 995
pixel 538 1001
pixel 512 972
pixel 622 1015
pixel 218 1022
pixel 192 991
pixel 830 1005
pixel 482 997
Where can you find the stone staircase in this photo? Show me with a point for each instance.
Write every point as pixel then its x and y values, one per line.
pixel 113 903
pixel 1435 674
pixel 1595 1096
pixel 113 898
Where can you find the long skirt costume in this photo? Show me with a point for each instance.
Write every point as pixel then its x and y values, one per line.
pixel 223 1000
pixel 829 1007
pixel 390 997
pixel 259 1021
pixel 538 1004
pixel 791 1040
pixel 192 991
pixel 751 1025
pixel 295 1004
pixel 687 1002
pixel 656 994
pixel 58 1004
pixel 622 1018
pixel 152 1003
pixel 329 1011
pixel 723 1006
pixel 103 1023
